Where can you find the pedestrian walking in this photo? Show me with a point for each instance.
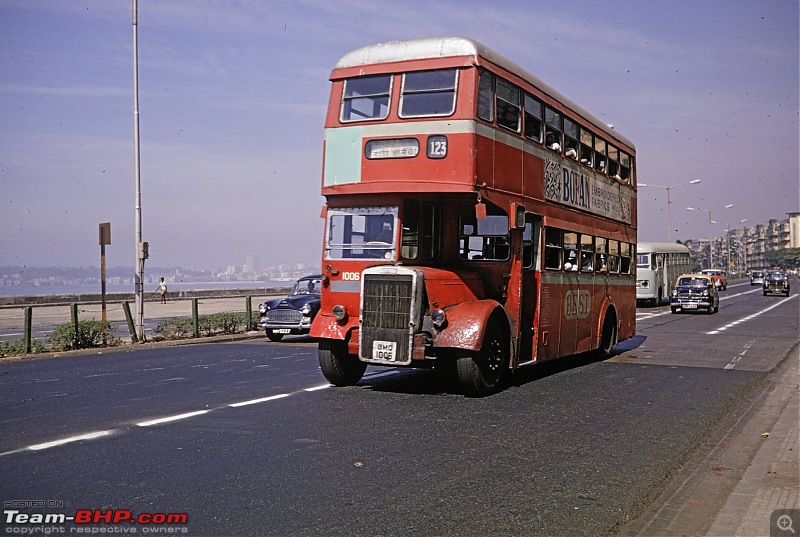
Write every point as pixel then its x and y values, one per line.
pixel 162 290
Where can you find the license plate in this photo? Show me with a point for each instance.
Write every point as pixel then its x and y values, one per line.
pixel 282 331
pixel 690 306
pixel 385 351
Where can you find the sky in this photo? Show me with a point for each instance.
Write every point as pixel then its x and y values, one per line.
pixel 233 94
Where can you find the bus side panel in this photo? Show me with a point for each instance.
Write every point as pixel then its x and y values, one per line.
pixel 549 317
pixel 484 160
pixel 532 176
pixel 508 163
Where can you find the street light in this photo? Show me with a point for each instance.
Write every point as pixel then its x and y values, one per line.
pixel 669 201
pixel 709 211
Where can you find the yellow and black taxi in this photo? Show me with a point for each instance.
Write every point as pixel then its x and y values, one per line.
pixel 776 282
pixel 293 314
pixel 694 292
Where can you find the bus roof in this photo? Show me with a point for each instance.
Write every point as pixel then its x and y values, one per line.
pixel 445 47
pixel 661 247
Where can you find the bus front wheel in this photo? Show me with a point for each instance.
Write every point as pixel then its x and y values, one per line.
pixel 481 373
pixel 339 367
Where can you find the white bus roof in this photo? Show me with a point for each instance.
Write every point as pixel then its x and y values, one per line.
pixel 661 247
pixel 445 47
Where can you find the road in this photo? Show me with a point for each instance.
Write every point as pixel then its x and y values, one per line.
pixel 247 438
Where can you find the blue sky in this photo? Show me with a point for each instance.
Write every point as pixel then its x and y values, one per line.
pixel 232 99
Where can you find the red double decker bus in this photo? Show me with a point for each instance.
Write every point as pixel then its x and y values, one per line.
pixel 474 215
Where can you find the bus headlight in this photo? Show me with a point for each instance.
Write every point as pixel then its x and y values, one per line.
pixel 339 313
pixel 438 318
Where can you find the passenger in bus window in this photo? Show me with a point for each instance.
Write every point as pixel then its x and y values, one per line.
pixel 571 153
pixel 601 263
pixel 586 261
pixel 571 263
pixel 552 142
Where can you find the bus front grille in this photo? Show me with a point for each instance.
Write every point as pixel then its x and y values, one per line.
pixel 386 317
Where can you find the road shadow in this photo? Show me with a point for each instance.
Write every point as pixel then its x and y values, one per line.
pixel 442 379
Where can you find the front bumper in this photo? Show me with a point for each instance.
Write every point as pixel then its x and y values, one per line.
pixel 296 328
pixel 692 303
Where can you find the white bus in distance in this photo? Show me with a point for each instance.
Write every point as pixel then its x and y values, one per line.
pixel 658 265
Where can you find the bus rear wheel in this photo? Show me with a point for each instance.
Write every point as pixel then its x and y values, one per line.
pixel 481 373
pixel 609 336
pixel 339 367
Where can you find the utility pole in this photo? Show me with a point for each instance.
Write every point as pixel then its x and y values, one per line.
pixel 140 246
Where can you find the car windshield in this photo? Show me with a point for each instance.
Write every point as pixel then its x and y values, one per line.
pixel 306 287
pixel 689 281
pixel 775 276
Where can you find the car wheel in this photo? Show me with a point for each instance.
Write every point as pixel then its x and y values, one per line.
pixel 339 367
pixel 765 293
pixel 481 372
pixel 675 310
pixel 272 336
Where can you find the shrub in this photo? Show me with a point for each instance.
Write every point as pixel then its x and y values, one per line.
pixel 16 347
pixel 89 334
pixel 177 328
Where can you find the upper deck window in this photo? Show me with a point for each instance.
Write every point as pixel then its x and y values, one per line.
pixel 508 105
pixel 485 96
pixel 366 98
pixel 429 93
pixel 533 118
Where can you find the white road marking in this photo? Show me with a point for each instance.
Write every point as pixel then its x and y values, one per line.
pixel 749 317
pixel 61 442
pixel 262 400
pixel 172 418
pixel 736 359
pixel 186 415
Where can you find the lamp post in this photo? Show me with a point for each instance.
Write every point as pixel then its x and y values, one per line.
pixel 669 201
pixel 710 245
pixel 141 253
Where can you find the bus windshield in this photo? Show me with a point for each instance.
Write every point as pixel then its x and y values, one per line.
pixel 361 233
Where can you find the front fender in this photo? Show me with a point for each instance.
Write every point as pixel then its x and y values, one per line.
pixel 466 324
pixel 326 327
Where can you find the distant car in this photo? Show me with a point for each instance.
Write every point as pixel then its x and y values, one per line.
pixel 757 278
pixel 293 314
pixel 693 292
pixel 776 282
pixel 719 276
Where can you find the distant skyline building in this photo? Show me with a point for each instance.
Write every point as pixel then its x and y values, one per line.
pixel 250 264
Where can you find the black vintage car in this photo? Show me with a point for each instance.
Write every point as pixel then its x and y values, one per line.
pixel 776 282
pixel 694 292
pixel 293 314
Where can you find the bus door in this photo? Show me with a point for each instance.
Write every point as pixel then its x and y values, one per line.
pixel 531 267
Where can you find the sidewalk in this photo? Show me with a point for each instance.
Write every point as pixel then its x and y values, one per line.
pixel 772 481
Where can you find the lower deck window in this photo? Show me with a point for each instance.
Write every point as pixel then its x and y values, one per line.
pixel 484 238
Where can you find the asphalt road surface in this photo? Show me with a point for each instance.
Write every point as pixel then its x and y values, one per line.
pixel 248 439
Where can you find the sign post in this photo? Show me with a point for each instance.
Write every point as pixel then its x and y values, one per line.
pixel 105 238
